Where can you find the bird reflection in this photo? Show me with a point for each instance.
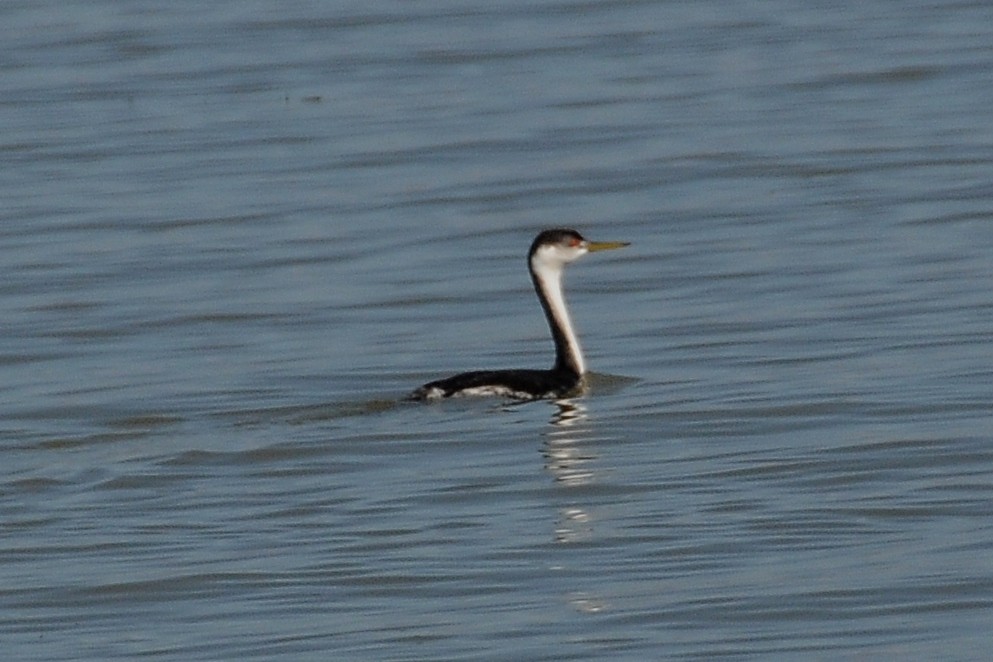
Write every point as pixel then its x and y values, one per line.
pixel 569 460
pixel 571 466
pixel 564 459
pixel 568 413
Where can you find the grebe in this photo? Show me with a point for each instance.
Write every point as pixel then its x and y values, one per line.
pixel 550 252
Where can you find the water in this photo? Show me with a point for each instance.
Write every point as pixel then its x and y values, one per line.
pixel 234 237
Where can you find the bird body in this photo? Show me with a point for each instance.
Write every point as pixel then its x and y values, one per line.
pixel 550 252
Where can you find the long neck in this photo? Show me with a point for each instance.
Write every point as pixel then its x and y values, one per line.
pixel 548 284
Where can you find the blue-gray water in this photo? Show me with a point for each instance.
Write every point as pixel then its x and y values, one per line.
pixel 234 235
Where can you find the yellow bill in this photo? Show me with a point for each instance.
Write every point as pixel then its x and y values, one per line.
pixel 594 246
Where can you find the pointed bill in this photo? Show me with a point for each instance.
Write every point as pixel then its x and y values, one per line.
pixel 594 246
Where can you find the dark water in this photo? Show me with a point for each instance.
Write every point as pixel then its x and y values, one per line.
pixel 234 235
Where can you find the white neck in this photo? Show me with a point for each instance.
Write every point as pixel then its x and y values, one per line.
pixel 547 276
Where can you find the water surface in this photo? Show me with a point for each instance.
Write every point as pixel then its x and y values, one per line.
pixel 235 237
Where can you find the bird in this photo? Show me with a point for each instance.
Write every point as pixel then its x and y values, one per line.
pixel 550 252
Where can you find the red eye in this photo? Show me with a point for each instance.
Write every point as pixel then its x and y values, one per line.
pixel 575 243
